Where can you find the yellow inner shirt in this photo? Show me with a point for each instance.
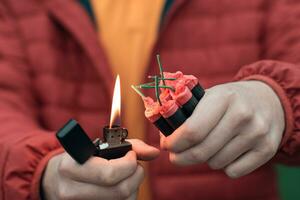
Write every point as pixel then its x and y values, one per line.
pixel 128 30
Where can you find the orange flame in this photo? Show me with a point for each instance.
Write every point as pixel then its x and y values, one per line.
pixel 115 114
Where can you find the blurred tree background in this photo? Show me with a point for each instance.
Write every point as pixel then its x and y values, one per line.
pixel 289 182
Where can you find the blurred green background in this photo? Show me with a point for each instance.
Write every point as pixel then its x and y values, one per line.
pixel 289 182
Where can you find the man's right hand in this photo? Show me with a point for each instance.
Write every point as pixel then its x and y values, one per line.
pixel 98 178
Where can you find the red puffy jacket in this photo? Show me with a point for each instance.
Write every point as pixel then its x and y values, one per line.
pixel 52 68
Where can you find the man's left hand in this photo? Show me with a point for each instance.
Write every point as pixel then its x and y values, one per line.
pixel 236 127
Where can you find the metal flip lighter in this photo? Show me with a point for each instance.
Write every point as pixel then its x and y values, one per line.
pixel 80 147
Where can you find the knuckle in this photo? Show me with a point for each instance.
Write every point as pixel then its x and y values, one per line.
pixel 109 177
pixel 63 168
pixel 197 156
pixel 259 134
pixel 63 193
pixel 243 112
pixel 133 165
pixel 189 130
pixel 231 93
pixel 214 164
pixel 192 135
pixel 261 128
pixel 123 191
pixel 191 138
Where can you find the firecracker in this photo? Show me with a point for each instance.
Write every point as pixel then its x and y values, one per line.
pixel 177 96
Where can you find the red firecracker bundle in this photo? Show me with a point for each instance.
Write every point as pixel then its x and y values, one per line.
pixel 177 95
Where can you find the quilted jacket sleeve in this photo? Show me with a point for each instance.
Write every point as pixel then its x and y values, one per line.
pixel 281 71
pixel 24 147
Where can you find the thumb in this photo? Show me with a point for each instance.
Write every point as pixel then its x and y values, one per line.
pixel 143 151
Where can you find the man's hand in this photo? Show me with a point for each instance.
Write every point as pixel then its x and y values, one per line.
pixel 98 178
pixel 236 127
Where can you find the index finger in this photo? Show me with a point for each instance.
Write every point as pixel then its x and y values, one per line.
pixel 143 151
pixel 205 117
pixel 100 171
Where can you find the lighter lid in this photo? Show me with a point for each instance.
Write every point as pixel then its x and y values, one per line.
pixel 76 142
